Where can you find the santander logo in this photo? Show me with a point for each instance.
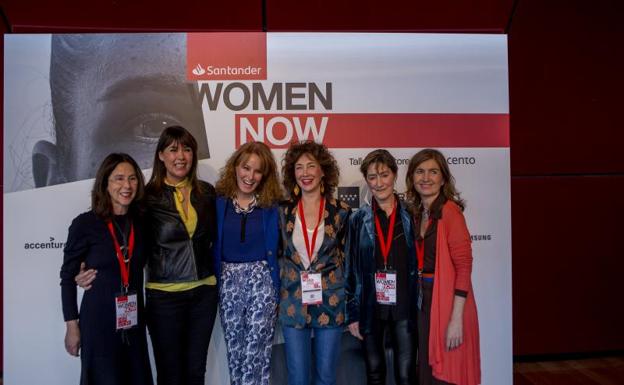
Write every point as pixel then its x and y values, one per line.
pixel 226 56
pixel 198 70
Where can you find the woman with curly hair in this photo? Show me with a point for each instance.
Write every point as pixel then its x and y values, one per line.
pixel 314 229
pixel 448 330
pixel 246 260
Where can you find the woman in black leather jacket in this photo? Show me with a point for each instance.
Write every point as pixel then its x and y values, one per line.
pixel 181 286
pixel 381 275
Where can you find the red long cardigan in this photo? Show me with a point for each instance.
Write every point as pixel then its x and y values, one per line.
pixel 461 366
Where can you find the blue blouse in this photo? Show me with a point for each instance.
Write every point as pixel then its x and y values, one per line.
pixel 244 236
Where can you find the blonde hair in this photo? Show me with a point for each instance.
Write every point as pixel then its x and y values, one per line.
pixel 269 190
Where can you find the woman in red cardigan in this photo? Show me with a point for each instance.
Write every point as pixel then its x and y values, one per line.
pixel 448 330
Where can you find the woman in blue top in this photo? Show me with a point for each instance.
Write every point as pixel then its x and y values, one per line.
pixel 246 260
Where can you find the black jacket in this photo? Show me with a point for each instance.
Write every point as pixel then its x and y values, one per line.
pixel 174 256
pixel 361 266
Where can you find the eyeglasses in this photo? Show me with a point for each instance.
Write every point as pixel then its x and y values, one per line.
pixel 121 179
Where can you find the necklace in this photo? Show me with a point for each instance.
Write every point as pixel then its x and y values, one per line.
pixel 124 235
pixel 239 210
pixel 425 213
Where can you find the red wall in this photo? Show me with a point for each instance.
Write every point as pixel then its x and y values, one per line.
pixel 565 60
pixel 566 63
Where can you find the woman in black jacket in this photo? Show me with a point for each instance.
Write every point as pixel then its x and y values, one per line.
pixel 181 286
pixel 381 276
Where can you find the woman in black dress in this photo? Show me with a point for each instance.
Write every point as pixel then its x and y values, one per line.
pixel 109 330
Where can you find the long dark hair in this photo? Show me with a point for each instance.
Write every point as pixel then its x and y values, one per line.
pixel 169 135
pixel 101 202
pixel 448 190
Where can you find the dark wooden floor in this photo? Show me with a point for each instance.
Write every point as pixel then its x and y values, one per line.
pixel 591 371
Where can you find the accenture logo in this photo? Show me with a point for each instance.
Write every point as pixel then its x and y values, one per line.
pixel 51 244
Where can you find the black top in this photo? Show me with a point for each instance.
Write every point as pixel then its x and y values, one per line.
pixel 431 236
pixel 101 345
pixel 90 241
pixel 397 261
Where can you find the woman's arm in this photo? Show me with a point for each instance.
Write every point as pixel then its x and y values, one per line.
pixel 461 256
pixel 72 337
pixel 352 286
pixel 460 249
pixel 455 328
pixel 74 255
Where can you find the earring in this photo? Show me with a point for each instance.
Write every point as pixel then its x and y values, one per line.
pixel 296 190
pixel 322 188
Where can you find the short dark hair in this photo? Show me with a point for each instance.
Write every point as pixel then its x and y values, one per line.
pixel 380 156
pixel 322 155
pixel 101 202
pixel 170 135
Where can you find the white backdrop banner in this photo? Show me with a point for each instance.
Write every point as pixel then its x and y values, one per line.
pixel 69 100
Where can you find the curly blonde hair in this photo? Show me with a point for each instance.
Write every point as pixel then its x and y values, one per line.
pixel 269 190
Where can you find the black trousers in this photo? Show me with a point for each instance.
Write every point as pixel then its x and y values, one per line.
pixel 403 343
pixel 180 325
pixel 425 375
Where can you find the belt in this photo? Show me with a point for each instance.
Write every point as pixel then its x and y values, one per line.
pixel 427 277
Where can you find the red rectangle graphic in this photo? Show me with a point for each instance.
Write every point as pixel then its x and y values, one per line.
pixel 378 130
pixel 226 56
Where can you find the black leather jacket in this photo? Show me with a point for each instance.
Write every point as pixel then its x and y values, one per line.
pixel 175 257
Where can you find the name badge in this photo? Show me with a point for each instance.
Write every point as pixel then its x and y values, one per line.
pixel 127 311
pixel 385 287
pixel 311 288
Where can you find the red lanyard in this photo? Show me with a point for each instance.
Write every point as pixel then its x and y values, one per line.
pixel 304 228
pixel 385 243
pixel 420 248
pixel 123 265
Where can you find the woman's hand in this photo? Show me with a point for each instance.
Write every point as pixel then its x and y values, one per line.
pixel 454 334
pixel 85 278
pixel 354 328
pixel 455 328
pixel 72 338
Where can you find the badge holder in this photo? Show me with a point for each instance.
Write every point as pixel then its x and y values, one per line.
pixel 127 310
pixel 311 288
pixel 386 287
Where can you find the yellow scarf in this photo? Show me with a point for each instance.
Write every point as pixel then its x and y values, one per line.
pixel 181 196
